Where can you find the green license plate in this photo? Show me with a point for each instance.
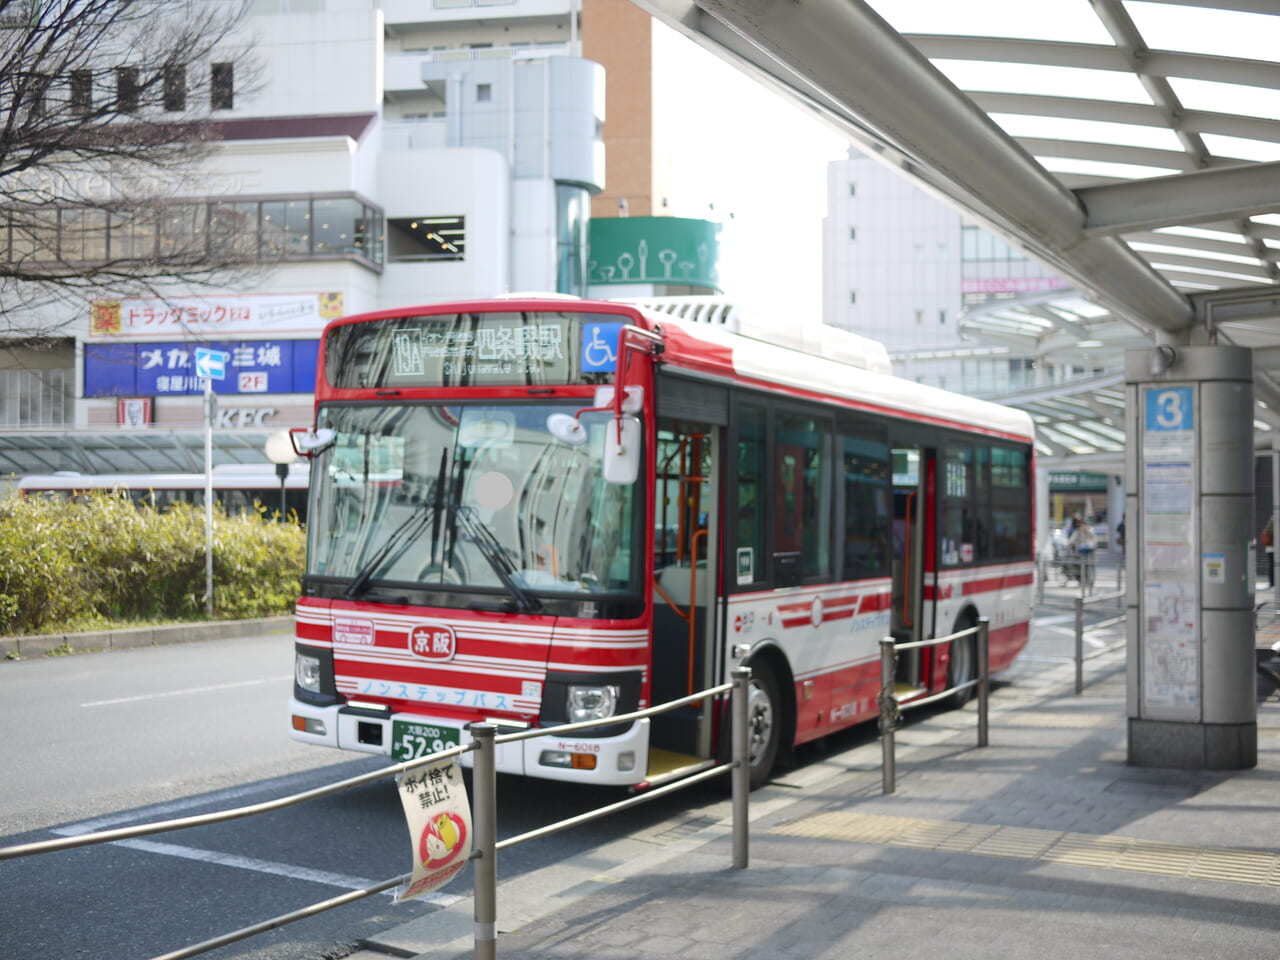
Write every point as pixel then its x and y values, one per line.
pixel 411 739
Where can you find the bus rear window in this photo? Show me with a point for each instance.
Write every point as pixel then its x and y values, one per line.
pixel 511 348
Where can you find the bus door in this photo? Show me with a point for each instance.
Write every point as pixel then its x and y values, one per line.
pixel 686 534
pixel 914 559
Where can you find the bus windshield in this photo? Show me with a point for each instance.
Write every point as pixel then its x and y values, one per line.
pixel 469 498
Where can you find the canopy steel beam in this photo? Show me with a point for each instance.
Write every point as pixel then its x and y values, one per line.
pixel 1182 199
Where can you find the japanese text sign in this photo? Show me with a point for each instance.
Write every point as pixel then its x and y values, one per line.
pixel 439 818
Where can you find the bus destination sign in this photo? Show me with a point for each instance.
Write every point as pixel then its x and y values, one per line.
pixel 498 349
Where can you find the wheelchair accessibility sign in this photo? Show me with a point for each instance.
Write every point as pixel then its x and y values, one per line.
pixel 600 346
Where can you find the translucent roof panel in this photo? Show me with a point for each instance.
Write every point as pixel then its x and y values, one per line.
pixel 1234 98
pixel 1068 20
pixel 1044 80
pixel 1238 34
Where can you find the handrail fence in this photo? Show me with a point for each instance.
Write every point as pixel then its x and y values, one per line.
pixel 484 815
pixel 1080 656
pixel 891 707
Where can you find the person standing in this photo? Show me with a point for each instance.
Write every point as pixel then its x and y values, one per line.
pixel 1085 541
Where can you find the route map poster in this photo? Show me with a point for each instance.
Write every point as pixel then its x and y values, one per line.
pixel 1170 568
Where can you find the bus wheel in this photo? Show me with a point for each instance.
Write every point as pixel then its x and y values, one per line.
pixel 764 723
pixel 963 665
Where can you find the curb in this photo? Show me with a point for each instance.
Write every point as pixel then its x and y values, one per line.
pixel 102 640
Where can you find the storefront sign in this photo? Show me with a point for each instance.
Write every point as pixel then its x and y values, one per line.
pixel 267 313
pixel 169 369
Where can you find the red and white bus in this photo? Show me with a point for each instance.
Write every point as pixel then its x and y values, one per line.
pixel 536 511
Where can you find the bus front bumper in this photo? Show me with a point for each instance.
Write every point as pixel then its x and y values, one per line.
pixel 618 760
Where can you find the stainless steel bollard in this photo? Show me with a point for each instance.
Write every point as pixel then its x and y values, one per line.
pixel 741 772
pixel 1079 601
pixel 484 817
pixel 984 677
pixel 887 717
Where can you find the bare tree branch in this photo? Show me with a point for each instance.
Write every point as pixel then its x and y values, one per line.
pixel 108 109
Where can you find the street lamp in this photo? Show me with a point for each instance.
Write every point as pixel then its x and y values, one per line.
pixel 279 450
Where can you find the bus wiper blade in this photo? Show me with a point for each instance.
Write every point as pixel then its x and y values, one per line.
pixel 400 538
pixel 491 549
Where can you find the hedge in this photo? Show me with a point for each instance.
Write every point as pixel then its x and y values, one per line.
pixel 103 561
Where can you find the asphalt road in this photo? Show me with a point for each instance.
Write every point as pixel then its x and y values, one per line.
pixel 115 739
pixel 136 736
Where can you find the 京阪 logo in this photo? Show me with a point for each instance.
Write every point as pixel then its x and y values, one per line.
pixel 432 641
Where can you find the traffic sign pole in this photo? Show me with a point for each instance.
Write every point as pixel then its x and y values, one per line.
pixel 211 365
pixel 208 497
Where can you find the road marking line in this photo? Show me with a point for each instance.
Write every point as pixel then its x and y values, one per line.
pixel 255 865
pixel 183 693
pixel 278 787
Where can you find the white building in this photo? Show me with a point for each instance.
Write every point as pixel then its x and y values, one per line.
pixel 902 267
pixel 393 153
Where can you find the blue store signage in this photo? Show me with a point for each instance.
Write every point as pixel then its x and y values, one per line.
pixel 170 369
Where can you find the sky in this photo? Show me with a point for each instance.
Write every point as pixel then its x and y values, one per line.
pixel 763 161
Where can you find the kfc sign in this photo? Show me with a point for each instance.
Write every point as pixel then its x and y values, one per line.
pixel 432 641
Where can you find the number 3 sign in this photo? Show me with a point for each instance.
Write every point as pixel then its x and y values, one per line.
pixel 1169 408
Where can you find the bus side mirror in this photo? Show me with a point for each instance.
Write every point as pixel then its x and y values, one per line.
pixel 307 441
pixel 622 450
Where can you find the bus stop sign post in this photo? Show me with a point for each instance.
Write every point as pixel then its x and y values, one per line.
pixel 210 365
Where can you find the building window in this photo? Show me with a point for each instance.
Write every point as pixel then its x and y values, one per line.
pixel 411 239
pixel 853 233
pixel 81 91
pixel 288 228
pixel 175 88
pixel 853 296
pixel 942 317
pixel 573 212
pixel 33 93
pixel 484 92
pixel 37 398
pixel 127 89
pixel 919 317
pixel 222 87
pixel 853 189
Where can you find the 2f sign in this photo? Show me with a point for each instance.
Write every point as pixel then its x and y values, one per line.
pixel 1168 409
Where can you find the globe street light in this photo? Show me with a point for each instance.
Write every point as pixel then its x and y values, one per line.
pixel 279 448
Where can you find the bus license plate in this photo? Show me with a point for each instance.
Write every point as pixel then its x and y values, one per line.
pixel 411 740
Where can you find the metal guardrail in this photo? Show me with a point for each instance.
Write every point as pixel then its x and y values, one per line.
pixel 1080 656
pixel 484 815
pixel 1083 570
pixel 891 707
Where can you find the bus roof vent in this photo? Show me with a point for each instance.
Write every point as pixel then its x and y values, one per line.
pixel 819 340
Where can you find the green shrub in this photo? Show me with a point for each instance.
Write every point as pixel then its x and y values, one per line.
pixel 104 560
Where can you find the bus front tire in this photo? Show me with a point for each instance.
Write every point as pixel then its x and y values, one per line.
pixel 962 665
pixel 764 723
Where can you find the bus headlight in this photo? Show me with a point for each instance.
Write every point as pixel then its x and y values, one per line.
pixel 306 672
pixel 592 702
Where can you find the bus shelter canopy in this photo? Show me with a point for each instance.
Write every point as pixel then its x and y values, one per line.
pixel 1131 145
